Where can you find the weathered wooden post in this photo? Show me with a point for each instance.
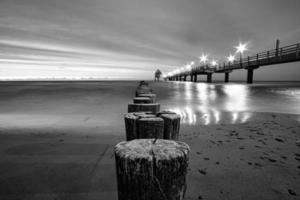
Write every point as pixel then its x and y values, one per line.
pixel 142 100
pixel 150 169
pixel 164 112
pixel 151 96
pixel 171 126
pixel 150 127
pixel 151 107
pixel 131 124
pixel 143 88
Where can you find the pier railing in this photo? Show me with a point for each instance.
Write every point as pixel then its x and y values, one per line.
pixel 276 56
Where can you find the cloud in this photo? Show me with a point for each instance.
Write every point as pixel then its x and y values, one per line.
pixel 135 35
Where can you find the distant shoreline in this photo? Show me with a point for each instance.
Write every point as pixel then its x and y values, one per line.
pixel 238 81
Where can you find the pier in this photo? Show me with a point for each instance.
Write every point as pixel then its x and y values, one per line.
pixel 275 56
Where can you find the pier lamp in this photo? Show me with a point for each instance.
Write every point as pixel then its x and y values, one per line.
pixel 188 67
pixel 214 63
pixel 230 58
pixel 182 69
pixel 203 58
pixel 241 48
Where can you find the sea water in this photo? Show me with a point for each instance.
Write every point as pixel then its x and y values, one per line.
pixel 101 104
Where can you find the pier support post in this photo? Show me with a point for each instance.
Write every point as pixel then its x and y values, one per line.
pixel 184 78
pixel 195 78
pixel 226 77
pixel 209 77
pixel 151 169
pixel 250 75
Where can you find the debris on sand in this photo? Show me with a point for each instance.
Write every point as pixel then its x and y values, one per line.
pixel 279 140
pixel 202 171
pixel 291 192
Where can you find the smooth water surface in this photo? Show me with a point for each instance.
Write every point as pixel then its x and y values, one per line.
pixel 101 105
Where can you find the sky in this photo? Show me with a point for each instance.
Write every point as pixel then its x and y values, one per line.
pixel 130 39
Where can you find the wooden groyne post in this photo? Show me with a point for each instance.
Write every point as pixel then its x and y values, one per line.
pixel 151 127
pixel 144 107
pixel 171 126
pixel 164 125
pixel 151 169
pixel 150 95
pixel 138 100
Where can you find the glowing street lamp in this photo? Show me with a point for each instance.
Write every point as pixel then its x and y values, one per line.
pixel 241 48
pixel 230 58
pixel 188 67
pixel 182 69
pixel 203 58
pixel 214 63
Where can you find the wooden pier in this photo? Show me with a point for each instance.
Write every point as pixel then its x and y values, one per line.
pixel 275 56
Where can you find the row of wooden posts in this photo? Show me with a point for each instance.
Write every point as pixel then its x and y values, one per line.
pixel 152 163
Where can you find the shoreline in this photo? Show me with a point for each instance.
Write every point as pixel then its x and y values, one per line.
pixel 78 126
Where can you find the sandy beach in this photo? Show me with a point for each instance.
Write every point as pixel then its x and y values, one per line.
pixel 254 160
pixel 58 143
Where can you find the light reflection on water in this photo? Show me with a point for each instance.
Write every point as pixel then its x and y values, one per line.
pixel 212 116
pixel 201 103
pixel 236 97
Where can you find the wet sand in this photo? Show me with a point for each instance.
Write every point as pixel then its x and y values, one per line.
pixel 258 159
